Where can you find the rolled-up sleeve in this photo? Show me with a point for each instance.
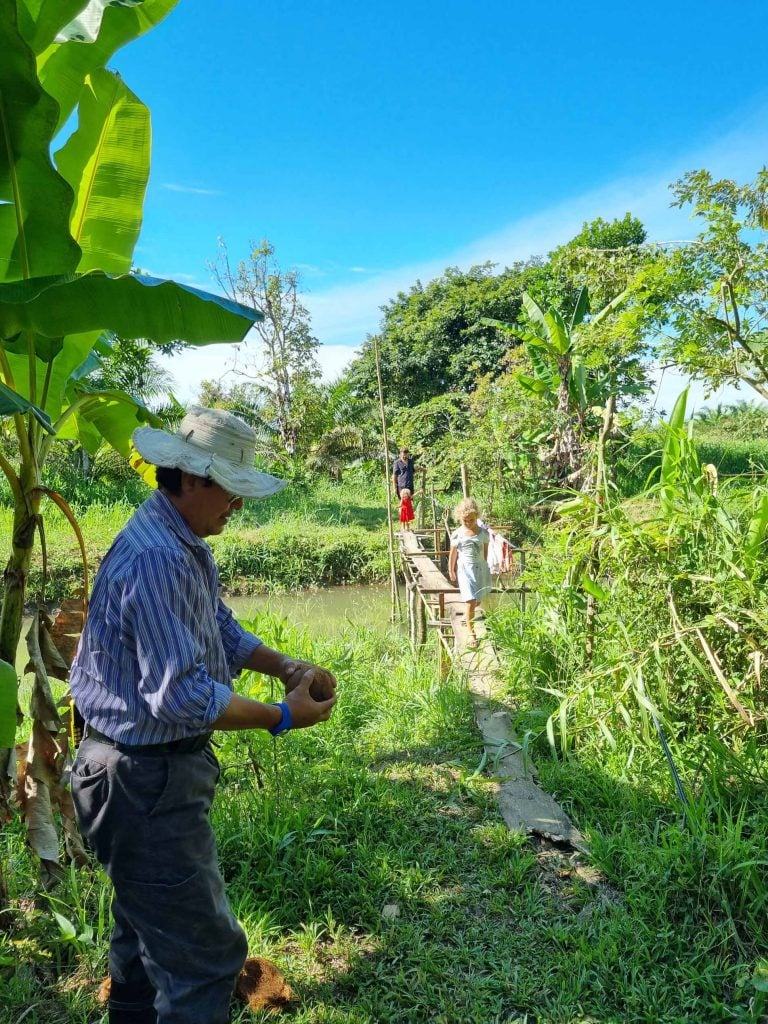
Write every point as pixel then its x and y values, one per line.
pixel 239 644
pixel 161 621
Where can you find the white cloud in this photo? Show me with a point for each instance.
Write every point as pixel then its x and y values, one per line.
pixel 334 359
pixel 181 276
pixel 170 186
pixel 191 367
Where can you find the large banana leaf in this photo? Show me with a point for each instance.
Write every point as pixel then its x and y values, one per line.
pixel 545 373
pixel 110 416
pixel 611 307
pixel 35 201
pixel 132 306
pixel 40 21
pixel 535 314
pixel 11 403
pixel 76 350
pixel 577 385
pixel 64 66
pixel 559 338
pixel 531 384
pixel 106 161
pixel 581 309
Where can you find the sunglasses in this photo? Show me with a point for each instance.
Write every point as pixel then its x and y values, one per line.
pixel 231 498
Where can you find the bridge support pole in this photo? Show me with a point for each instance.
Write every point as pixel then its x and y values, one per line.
pixel 412 598
pixel 420 621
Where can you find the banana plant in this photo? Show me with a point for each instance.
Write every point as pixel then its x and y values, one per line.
pixel 70 216
pixel 560 374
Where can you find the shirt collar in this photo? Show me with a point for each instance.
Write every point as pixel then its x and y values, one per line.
pixel 159 505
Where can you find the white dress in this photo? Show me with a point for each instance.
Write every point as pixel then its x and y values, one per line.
pixel 472 569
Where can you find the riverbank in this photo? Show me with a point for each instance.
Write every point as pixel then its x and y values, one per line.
pixel 323 535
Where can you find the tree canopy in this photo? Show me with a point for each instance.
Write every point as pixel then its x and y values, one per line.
pixel 432 338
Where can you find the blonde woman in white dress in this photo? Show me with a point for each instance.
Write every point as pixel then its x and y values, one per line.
pixel 468 560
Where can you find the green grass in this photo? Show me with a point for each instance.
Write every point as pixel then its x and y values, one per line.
pixel 385 807
pixel 731 454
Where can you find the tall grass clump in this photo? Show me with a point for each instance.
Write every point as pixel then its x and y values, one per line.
pixel 644 651
pixel 732 456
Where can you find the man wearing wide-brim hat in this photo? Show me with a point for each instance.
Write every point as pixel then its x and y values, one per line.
pixel 153 679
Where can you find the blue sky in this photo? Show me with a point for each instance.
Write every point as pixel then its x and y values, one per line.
pixel 375 144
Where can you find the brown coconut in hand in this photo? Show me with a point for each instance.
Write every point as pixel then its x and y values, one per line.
pixel 320 690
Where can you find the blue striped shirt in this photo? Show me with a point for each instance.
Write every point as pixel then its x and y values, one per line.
pixel 160 650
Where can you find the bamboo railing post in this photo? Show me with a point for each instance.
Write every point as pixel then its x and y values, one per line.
pixel 434 520
pixel 422 495
pixel 442 657
pixel 395 593
pixel 522 591
pixel 464 481
pixel 412 597
pixel 601 486
pixel 421 621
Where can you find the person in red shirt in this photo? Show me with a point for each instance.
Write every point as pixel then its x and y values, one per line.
pixel 406 509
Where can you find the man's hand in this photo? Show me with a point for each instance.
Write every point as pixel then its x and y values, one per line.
pixel 321 683
pixel 306 709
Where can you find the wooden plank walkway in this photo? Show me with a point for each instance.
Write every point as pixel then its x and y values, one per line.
pixel 524 806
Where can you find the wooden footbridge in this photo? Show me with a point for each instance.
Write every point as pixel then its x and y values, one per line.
pixel 434 604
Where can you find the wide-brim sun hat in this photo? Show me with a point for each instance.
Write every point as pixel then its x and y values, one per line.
pixel 210 443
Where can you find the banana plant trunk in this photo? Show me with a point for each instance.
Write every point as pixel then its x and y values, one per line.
pixel 11 613
pixel 25 517
pixel 566 451
pixel 14 590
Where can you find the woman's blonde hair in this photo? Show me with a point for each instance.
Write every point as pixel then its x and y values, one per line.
pixel 404 492
pixel 464 506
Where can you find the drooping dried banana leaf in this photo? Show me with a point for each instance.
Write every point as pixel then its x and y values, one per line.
pixel 7 777
pixel 39 783
pixel 42 706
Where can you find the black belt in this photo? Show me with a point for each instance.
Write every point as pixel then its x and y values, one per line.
pixel 187 745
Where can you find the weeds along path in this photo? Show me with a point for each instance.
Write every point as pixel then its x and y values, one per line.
pixel 527 809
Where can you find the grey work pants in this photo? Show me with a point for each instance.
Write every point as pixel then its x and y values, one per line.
pixel 176 945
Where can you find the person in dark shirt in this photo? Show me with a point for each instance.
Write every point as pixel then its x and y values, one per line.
pixel 402 472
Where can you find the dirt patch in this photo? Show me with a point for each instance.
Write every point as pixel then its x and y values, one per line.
pixel 568 878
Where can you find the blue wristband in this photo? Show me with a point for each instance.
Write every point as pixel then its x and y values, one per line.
pixel 285 723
